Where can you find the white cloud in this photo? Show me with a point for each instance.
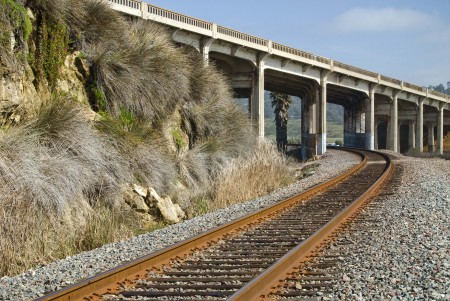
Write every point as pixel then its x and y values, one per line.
pixel 383 19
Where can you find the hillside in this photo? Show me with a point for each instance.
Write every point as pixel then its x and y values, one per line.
pixel 109 129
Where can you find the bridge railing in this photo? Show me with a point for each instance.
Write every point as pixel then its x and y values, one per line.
pixel 178 17
pixel 355 69
pixel 413 87
pixel 129 3
pixel 391 80
pixel 242 36
pixel 293 51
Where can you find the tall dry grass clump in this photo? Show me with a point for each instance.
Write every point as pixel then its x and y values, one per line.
pixel 55 158
pixel 144 73
pixel 59 188
pixel 42 236
pixel 251 176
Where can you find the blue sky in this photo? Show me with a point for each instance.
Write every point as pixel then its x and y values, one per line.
pixel 407 40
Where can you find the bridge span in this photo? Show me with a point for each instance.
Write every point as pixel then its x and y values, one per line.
pixel 379 111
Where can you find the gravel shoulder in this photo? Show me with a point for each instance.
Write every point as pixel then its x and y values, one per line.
pixel 401 251
pixel 35 283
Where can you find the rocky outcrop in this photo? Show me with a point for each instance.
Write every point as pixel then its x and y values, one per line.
pixel 147 202
pixel 16 90
pixel 172 213
pixel 73 76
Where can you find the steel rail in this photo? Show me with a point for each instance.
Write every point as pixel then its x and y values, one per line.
pixel 104 282
pixel 260 287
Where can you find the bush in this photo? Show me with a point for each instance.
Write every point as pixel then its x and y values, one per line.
pixel 13 20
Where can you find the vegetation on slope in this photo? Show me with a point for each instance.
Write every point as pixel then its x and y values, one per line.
pixel 163 119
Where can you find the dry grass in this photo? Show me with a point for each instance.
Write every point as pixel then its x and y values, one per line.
pixel 55 158
pixel 145 74
pixel 42 237
pixel 248 177
pixel 145 153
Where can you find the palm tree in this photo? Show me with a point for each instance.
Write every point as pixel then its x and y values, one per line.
pixel 281 103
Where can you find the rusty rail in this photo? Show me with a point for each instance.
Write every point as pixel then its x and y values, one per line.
pixel 260 287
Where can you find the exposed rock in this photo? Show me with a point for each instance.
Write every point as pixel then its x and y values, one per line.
pixel 143 192
pixel 15 90
pixel 134 200
pixel 72 77
pixel 180 212
pixel 172 213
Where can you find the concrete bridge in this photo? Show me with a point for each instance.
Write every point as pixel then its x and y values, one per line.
pixel 379 111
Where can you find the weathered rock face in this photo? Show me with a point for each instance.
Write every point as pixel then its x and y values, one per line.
pixel 171 212
pixel 148 202
pixel 16 90
pixel 134 200
pixel 73 76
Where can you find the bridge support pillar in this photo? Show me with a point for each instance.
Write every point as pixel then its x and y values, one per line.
pixel 430 137
pixel 375 135
pixel 393 137
pixel 370 120
pixel 257 102
pixel 205 45
pixel 419 136
pixel 322 130
pixel 412 135
pixel 440 130
pixel 309 125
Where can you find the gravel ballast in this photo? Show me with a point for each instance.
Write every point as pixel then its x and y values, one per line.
pixel 402 251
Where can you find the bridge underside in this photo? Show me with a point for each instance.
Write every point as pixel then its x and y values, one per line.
pixel 358 107
pixel 370 112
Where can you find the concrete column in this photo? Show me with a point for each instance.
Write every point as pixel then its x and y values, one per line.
pixel 375 136
pixel 440 130
pixel 205 45
pixel 430 137
pixel 419 137
pixel 346 128
pixel 322 130
pixel 394 124
pixel 370 119
pixel 412 135
pixel 309 139
pixel 257 103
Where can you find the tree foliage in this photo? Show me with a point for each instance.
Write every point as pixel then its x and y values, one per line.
pixel 441 88
pixel 281 103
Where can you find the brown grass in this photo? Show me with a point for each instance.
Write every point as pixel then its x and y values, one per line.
pixel 248 177
pixel 42 237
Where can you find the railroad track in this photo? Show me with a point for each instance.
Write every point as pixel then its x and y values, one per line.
pixel 245 259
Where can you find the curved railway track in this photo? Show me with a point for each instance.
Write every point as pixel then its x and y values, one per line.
pixel 245 259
